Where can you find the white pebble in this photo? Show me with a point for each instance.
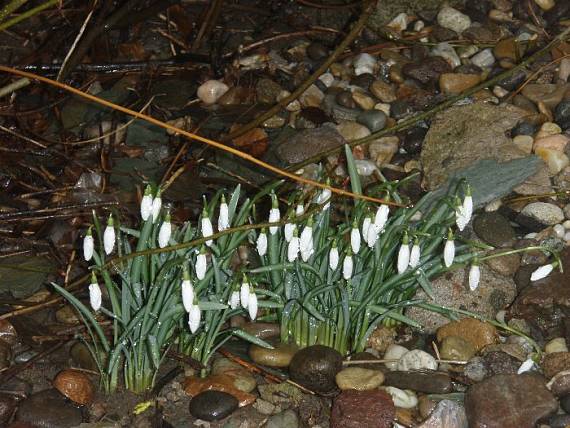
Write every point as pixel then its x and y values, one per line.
pixel 327 79
pixel 404 399
pixel 447 52
pixel 419 25
pixel 531 235
pixel 566 224
pixel 557 344
pixel 500 91
pixel 385 107
pixel 545 213
pixel 400 22
pixel 365 167
pixel 483 59
pixel 494 205
pixel 364 63
pixel 211 91
pixel 452 19
pixel 417 360
pixel 394 352
pixel 559 230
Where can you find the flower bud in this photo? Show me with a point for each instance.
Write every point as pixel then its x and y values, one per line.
pixel 224 217
pixel 252 306
pixel 403 255
pixel 146 204
pixel 262 243
pixel 194 316
pixel 244 293
pixel 94 293
pixel 381 217
pixel 355 239
pixel 201 264
pixel 88 245
pixel 164 232
pixel 449 250
pixel 294 247
pixel 234 300
pixel 207 229
pixel 333 257
pixel 109 236
pixel 306 241
pixel 187 292
pixel 474 276
pixel 347 266
pixel 415 255
pixel 542 272
pixel 156 205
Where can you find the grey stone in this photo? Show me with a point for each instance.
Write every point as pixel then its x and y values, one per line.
pixel 494 229
pixel 308 143
pixel 286 419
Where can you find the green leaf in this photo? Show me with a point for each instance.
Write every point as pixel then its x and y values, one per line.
pixel 154 350
pixel 352 171
pixel 250 338
pixel 211 306
pixel 425 283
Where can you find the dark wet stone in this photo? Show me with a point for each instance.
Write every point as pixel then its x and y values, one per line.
pixel 522 276
pixel 413 139
pixel 478 10
pixel 565 403
pixel 524 128
pixel 374 120
pixel 49 409
pixel 345 99
pixel 359 409
pixel 440 34
pixel 419 381
pixel 561 10
pixel 317 51
pixel 428 70
pixel 267 91
pixel 509 401
pixel 555 363
pixel 315 367
pixel 400 109
pixel 562 114
pixel 510 83
pixel 559 421
pixel 309 142
pixel 314 116
pixel 363 80
pixel 498 363
pixel 213 405
pixel 494 229
pixel 468 69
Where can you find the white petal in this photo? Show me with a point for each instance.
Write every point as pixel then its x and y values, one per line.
pixel 381 217
pixel 333 258
pixel 274 216
pixel 164 234
pixel 289 228
pixel 365 226
pixel 527 365
pixel 300 209
pixel 224 218
pixel 187 295
pixel 194 315
pixel 109 239
pixel 262 244
pixel 355 240
pixel 146 207
pixel 474 277
pixel 95 296
pixel 156 205
pixel 201 266
pixel 403 258
pixel 252 306
pixel 293 249
pixel 460 218
pixel 207 229
pixel 244 295
pixel 347 266
pixel 449 252
pixel 306 243
pixel 468 207
pixel 415 256
pixel 324 197
pixel 88 247
pixel 372 236
pixel 541 272
pixel 234 300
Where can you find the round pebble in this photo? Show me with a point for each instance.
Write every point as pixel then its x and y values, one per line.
pixel 374 120
pixel 394 352
pixel 557 344
pixel 345 99
pixel 359 378
pixel 404 399
pixel 417 360
pixel 452 19
pixel 544 213
pixel 213 405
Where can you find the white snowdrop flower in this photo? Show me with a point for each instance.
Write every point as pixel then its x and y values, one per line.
pixel 156 205
pixel 468 204
pixel 415 255
pixel 201 265
pixel 224 217
pixel 88 245
pixel 381 217
pixel 474 276
pixel 306 241
pixel 294 247
pixel 234 299
pixel 109 236
pixel 542 272
pixel 187 292
pixel 194 316
pixel 299 210
pixel 366 226
pixel 324 198
pixel 355 239
pixel 372 235
pixel 333 257
pixel 526 366
pixel 207 228
pixel 347 266
pixel 94 293
pixel 164 232
pixel 449 251
pixel 403 255
pixel 460 219
pixel 288 231
pixel 262 243
pixel 146 204
pixel 244 294
pixel 274 216
pixel 252 306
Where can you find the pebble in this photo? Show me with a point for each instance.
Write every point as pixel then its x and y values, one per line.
pixel 312 97
pixel 456 348
pixel 562 114
pixel 8 405
pixel 317 51
pixel 220 382
pixel 545 213
pixel 565 403
pixel 280 356
pixel 524 143
pixel 548 129
pixel 447 414
pixel 479 333
pixel 400 22
pixel 363 100
pixel 555 159
pixel 394 352
pixel 428 382
pixel 364 63
pixel 353 409
pixel 417 360
pixel 475 369
pixel 494 229
pixel 456 83
pixel 359 378
pixel 243 379
pixel 315 368
pixel 483 59
pixel 405 399
pixel 374 120
pixel 447 52
pixel 559 230
pixel 49 408
pixel 382 150
pixel 383 91
pixel 560 383
pixel 555 363
pixel 452 19
pixel 365 167
pixel 509 401
pixel 213 405
pixel 345 99
pixel 499 363
pixel 506 265
pixel 550 94
pixel 545 4
pixel 211 91
pixel 558 344
pixel 564 70
pixel 285 419
pixel 352 131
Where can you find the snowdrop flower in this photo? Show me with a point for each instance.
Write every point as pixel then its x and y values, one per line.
pixel 156 205
pixel 244 293
pixel 366 226
pixel 474 275
pixel 234 300
pixel 299 210
pixel 94 293
pixel 461 219
pixel 403 254
pixel 262 243
pixel 324 198
pixel 187 292
pixel 109 236
pixel 372 235
pixel 207 228
pixel 294 247
pixel 194 315
pixel 468 204
pixel 355 238
pixel 306 241
pixel 415 255
pixel 274 214
pixel 347 266
pixel 381 217
pixel 201 264
pixel 526 366
pixel 333 256
pixel 252 305
pixel 288 231
pixel 88 245
pixel 164 232
pixel 146 204
pixel 224 218
pixel 542 272
pixel 449 250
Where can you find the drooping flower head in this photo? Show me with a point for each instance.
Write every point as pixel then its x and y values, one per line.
pixel 347 265
pixel 449 250
pixel 224 217
pixel 403 254
pixel 306 241
pixel 187 291
pixel 146 203
pixel 206 223
pixel 244 292
pixel 274 214
pixel 262 243
pixel 252 305
pixel 88 245
pixel 94 293
pixel 415 254
pixel 293 247
pixel 333 256
pixel 381 217
pixel 165 231
pixel 201 264
pixel 194 316
pixel 355 238
pixel 474 275
pixel 156 205
pixel 542 272
pixel 109 236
